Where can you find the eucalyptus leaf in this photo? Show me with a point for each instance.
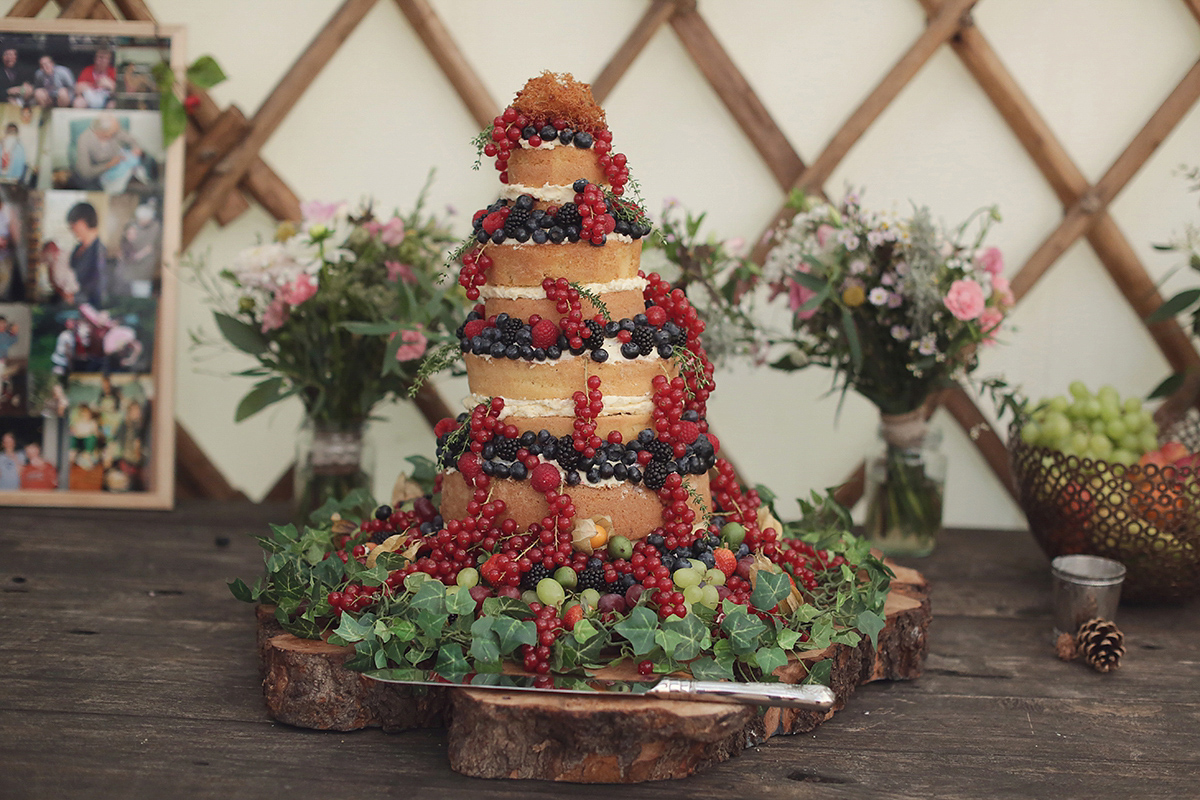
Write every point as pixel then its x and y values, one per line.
pixel 264 393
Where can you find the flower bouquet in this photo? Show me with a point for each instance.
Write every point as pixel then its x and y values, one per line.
pixel 897 308
pixel 338 311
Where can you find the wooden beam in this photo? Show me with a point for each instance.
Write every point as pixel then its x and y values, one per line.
pixel 739 97
pixel 269 190
pixel 77 9
pixel 1194 7
pixel 134 9
pixel 1082 214
pixel 428 26
pixel 658 12
pixel 234 206
pixel 198 475
pixel 949 18
pixel 212 145
pixel 272 112
pixel 982 435
pixel 27 8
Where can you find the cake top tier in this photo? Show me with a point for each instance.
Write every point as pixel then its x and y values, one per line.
pixel 554 96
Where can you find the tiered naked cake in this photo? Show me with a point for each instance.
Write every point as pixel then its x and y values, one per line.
pixel 585 517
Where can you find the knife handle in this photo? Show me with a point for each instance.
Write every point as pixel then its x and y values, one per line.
pixel 810 697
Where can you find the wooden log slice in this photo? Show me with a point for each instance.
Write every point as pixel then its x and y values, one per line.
pixel 307 685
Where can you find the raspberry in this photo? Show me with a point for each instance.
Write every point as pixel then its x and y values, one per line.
pixel 725 560
pixel 493 222
pixel 688 431
pixel 446 425
pixel 470 466
pixel 655 315
pixel 544 478
pixel 545 334
pixel 474 328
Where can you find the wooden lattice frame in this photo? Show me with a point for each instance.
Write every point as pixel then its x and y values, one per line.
pixel 224 164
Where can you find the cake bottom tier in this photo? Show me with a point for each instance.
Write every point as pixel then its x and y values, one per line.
pixel 635 510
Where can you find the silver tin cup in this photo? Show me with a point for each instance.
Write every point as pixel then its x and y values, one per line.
pixel 1085 587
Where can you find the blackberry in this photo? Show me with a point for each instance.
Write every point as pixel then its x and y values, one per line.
pixel 662 451
pixel 510 328
pixel 530 579
pixel 516 219
pixel 568 456
pixel 597 338
pixel 568 216
pixel 591 578
pixel 656 475
pixel 506 449
pixel 379 536
pixel 643 338
pixel 626 581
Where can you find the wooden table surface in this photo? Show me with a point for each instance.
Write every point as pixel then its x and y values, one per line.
pixel 128 670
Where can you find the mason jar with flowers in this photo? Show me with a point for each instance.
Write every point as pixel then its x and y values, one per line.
pixel 338 311
pixel 898 308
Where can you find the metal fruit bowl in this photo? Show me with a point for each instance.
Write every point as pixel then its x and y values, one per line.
pixel 1146 517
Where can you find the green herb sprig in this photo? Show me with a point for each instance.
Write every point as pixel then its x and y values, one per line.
pixel 593 298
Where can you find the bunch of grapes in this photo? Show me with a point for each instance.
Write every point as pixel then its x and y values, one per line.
pixel 1101 427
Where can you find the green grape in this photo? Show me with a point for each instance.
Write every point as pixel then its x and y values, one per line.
pixel 467 577
pixel 733 534
pixel 698 565
pixel 1133 405
pixel 1057 427
pixel 1133 422
pixel 1101 446
pixel 529 597
pixel 550 592
pixel 1123 455
pixel 590 598
pixel 1108 396
pixel 1079 442
pixel 1058 404
pixel 711 597
pixel 1131 442
pixel 1097 426
pixel 620 547
pixel 1149 441
pixel 568 577
pixel 1079 390
pixel 1116 429
pixel 1031 433
pixel 1109 413
pixel 714 577
pixel 693 594
pixel 1075 410
pixel 1091 408
pixel 686 577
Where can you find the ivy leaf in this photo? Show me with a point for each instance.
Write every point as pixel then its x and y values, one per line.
pixel 769 589
pixel 430 597
pixel 505 607
pixel 787 638
pixel 744 630
pixel 684 638
pixel 303 628
pixel 584 630
pixel 205 73
pixel 770 659
pixel 173 114
pixel 514 632
pixel 451 663
pixel 400 674
pixel 820 672
pixel 485 646
pixel 709 669
pixel 460 602
pixel 242 335
pixel 241 591
pixel 870 624
pixel 639 629
pixel 351 630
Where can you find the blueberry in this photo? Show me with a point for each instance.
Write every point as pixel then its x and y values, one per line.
pixel 513 351
pixel 383 512
pixel 583 140
pixel 593 475
pixel 498 236
pixel 553 352
pixel 580 186
pixel 566 135
pixel 497 350
pixel 611 328
pixel 635 474
pixel 572 233
pixel 481 236
pixel 627 325
pixel 630 350
pixel 691 415
pixel 646 436
pixel 528 131
pixel 556 234
pixel 666 351
pixel 521 235
pixel 572 478
pixel 599 355
pixel 500 471
pixel 539 236
pixel 606 471
pixel 548 133
pixel 640 319
pixel 518 472
pixel 488 452
pixel 525 201
pixel 619 471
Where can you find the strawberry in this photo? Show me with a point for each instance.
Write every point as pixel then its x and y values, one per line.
pixel 545 333
pixel 725 561
pixel 572 616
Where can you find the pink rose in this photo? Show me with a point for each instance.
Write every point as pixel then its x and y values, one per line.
pixel 824 231
pixel 798 295
pixel 992 261
pixel 298 290
pixel 413 347
pixel 1003 292
pixel 965 299
pixel 317 213
pixel 989 323
pixel 274 316
pixel 400 272
pixel 392 233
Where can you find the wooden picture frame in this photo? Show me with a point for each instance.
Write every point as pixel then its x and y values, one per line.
pixel 90 222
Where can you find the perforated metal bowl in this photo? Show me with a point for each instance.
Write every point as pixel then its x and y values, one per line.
pixel 1146 517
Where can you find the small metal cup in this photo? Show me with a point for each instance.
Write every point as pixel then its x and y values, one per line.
pixel 1084 587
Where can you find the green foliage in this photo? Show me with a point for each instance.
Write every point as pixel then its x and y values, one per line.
pixel 204 73
pixel 593 298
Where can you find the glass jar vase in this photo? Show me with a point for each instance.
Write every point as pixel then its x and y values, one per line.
pixel 332 460
pixel 905 486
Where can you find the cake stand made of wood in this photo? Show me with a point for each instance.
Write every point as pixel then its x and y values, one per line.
pixel 605 739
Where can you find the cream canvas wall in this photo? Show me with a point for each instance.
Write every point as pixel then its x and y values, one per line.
pixel 380 116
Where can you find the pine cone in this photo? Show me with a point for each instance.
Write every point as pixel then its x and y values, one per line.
pixel 1101 644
